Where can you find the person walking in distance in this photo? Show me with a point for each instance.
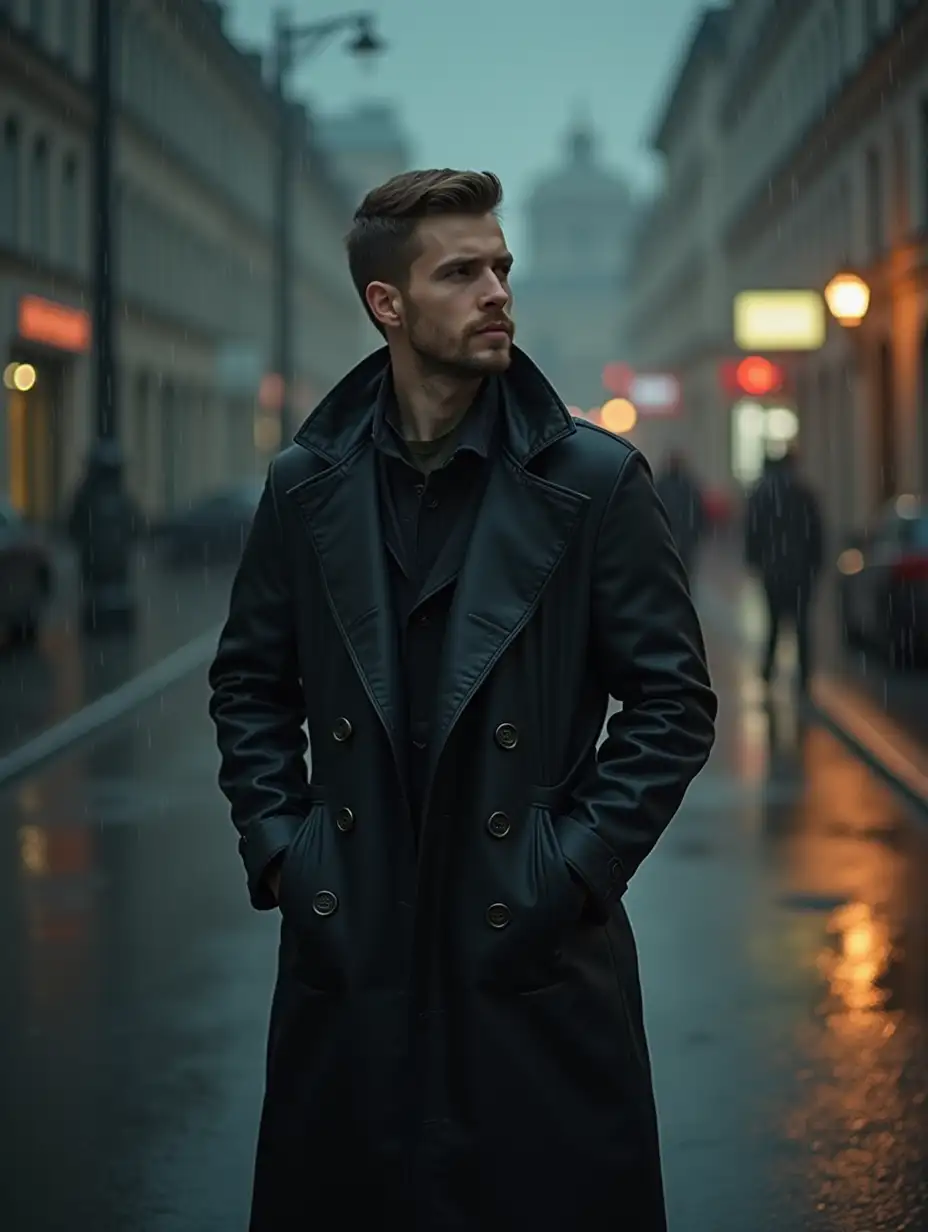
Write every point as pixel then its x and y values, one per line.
pixel 681 497
pixel 783 544
pixel 446 579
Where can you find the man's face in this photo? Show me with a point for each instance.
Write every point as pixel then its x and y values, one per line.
pixel 454 310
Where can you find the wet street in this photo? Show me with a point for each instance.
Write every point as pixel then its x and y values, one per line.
pixel 782 921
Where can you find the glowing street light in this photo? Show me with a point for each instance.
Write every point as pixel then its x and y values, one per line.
pixel 848 298
pixel 618 415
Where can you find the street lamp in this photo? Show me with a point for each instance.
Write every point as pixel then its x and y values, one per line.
pixel 848 298
pixel 293 43
pixel 102 523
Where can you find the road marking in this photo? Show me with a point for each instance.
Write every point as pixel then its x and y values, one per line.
pixel 110 706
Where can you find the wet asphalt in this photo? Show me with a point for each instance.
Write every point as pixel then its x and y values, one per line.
pixel 783 928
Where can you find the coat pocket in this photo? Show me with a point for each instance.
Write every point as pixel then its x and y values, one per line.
pixel 311 906
pixel 541 905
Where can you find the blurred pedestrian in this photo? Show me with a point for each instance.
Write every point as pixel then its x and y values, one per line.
pixel 682 497
pixel 446 578
pixel 783 543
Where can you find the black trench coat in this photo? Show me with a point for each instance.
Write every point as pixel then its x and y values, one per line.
pixel 456 1034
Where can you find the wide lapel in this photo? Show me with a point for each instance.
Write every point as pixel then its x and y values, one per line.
pixel 340 509
pixel 522 531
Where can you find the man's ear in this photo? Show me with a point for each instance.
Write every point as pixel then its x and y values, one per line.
pixel 385 304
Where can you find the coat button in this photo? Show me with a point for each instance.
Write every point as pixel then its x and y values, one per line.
pixel 506 736
pixel 325 903
pixel 615 870
pixel 342 730
pixel 498 825
pixel 344 819
pixel 498 915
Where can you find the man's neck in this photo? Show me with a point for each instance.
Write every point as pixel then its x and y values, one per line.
pixel 432 406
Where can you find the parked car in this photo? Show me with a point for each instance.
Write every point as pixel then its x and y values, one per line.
pixel 883 583
pixel 212 531
pixel 26 573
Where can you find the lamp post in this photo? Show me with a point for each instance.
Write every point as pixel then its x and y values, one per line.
pixel 293 43
pixel 847 296
pixel 102 524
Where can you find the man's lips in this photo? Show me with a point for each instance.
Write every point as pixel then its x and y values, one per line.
pixel 496 329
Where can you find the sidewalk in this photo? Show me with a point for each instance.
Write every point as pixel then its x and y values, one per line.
pixel 66 671
pixel 880 712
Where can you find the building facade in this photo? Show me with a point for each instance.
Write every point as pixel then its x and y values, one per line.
pixel 579 222
pixel 678 313
pixel 195 148
pixel 822 131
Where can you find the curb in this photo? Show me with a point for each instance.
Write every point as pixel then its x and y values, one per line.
pixel 892 756
pixel 889 758
pixel 111 706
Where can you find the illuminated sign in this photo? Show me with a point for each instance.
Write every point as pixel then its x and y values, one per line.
pixel 652 393
pixel 655 393
pixel 617 378
pixel 779 320
pixel 758 376
pixel 53 325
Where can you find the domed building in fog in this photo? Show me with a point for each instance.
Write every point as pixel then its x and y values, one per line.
pixel 580 220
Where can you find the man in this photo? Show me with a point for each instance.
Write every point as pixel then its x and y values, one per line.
pixel 446 579
pixel 680 495
pixel 783 543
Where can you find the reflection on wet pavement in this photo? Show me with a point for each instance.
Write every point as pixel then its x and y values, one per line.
pixel 43 684
pixel 783 926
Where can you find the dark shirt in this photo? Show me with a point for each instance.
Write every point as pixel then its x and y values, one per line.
pixel 430 493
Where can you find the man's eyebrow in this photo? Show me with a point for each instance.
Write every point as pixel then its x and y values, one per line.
pixel 468 259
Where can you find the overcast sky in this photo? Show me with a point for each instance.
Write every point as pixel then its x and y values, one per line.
pixel 494 83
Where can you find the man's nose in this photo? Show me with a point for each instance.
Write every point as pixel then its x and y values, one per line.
pixel 497 293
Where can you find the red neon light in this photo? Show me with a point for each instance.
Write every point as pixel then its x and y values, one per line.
pixel 758 376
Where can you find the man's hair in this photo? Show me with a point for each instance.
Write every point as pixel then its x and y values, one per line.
pixel 381 244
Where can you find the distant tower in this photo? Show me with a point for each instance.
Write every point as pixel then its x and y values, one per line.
pixel 368 146
pixel 580 221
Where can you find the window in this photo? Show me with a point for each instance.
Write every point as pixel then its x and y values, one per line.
pixel 841 37
pixel 875 226
pixel 900 204
pixel 69 232
pixel 871 20
pixel 37 18
pixel 68 28
pixel 10 180
pixel 923 161
pixel 39 212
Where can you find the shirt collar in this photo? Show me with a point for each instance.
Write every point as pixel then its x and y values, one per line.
pixel 473 433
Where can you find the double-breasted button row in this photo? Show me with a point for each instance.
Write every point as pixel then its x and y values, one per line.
pixel 506 736
pixel 498 825
pixel 325 902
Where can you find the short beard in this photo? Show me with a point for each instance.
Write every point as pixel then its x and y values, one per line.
pixel 450 361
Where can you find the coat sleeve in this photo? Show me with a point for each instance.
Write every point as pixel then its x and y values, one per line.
pixel 257 703
pixel 649 649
